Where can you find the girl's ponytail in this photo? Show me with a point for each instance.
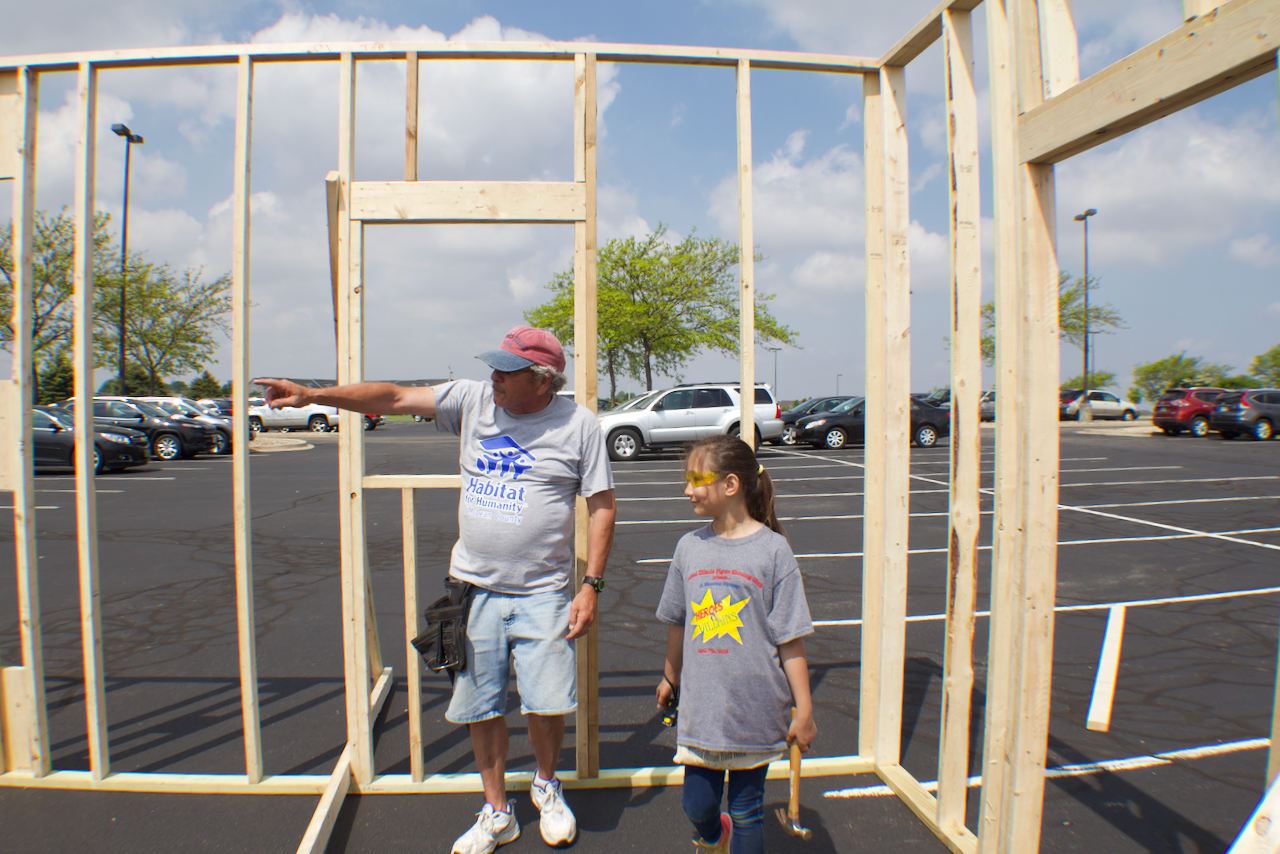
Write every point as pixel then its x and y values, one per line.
pixel 730 455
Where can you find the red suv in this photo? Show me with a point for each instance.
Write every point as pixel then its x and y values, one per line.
pixel 1189 409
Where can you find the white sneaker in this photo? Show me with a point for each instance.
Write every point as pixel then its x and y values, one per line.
pixel 492 828
pixel 557 824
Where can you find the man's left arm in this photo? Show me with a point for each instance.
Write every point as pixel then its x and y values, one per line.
pixel 601 510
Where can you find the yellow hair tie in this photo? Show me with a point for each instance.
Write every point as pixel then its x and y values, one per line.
pixel 761 469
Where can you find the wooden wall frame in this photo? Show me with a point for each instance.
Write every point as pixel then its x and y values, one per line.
pixel 1041 113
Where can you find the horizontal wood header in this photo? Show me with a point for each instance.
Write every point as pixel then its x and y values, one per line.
pixel 390 202
pixel 331 51
pixel 412 481
pixel 1229 46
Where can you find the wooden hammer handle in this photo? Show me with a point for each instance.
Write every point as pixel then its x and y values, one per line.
pixel 793 808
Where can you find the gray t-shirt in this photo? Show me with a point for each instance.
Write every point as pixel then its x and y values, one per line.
pixel 520 475
pixel 738 600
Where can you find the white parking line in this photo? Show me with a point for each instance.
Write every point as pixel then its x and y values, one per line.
pixel 72 490
pixel 1230 536
pixel 1132 763
pixel 38 507
pixel 1103 606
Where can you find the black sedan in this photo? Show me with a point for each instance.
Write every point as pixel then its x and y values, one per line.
pixel 809 407
pixel 53 443
pixel 846 424
pixel 170 438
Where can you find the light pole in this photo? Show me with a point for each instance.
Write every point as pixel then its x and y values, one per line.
pixel 838 376
pixel 129 139
pixel 775 350
pixel 1085 410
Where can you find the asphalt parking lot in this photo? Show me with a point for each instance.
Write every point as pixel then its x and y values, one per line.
pixel 1172 542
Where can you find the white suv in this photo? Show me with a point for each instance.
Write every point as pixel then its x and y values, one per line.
pixel 683 414
pixel 313 417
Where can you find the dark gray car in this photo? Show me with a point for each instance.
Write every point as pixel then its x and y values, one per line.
pixel 1254 411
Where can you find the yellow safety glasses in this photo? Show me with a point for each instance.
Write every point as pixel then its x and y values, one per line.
pixel 702 478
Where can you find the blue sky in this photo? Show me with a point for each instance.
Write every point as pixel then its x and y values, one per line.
pixel 1184 244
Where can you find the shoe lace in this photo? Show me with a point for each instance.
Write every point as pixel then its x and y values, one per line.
pixel 554 795
pixel 488 820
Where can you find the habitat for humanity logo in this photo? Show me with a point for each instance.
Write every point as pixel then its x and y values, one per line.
pixel 504 456
pixel 487 498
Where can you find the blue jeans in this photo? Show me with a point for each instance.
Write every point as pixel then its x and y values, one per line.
pixel 530 629
pixel 703 788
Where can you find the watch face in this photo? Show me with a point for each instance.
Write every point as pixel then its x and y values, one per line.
pixel 597 583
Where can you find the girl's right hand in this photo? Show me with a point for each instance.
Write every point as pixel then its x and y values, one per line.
pixel 664 693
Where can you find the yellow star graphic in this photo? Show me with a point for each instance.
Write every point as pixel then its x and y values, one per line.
pixel 712 619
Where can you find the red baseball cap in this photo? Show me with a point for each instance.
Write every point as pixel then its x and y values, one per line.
pixel 525 346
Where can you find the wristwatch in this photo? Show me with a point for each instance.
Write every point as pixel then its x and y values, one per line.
pixel 597 584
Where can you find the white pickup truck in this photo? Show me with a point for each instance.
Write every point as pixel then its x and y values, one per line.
pixel 313 417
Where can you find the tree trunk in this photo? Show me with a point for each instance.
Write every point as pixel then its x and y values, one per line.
pixel 648 367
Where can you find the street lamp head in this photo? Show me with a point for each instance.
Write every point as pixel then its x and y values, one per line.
pixel 1083 216
pixel 123 130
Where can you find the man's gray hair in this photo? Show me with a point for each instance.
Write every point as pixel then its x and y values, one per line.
pixel 558 380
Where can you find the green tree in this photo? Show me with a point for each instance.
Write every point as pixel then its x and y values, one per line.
pixel 1266 367
pixel 171 320
pixel 58 379
pixel 53 283
pixel 205 386
pixel 660 304
pixel 1239 381
pixel 137 379
pixel 1097 379
pixel 1103 319
pixel 1176 371
pixel 227 390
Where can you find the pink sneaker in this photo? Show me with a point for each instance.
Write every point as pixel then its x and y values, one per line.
pixel 721 845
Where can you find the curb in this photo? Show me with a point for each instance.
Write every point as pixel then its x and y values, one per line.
pixel 271 444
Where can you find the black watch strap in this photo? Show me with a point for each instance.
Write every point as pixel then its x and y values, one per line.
pixel 597 584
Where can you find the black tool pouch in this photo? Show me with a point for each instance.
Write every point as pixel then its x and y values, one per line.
pixel 443 643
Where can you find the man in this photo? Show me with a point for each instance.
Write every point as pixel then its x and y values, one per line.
pixel 526 453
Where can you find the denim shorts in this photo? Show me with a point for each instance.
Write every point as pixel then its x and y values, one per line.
pixel 529 629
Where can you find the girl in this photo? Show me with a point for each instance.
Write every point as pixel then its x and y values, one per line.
pixel 735 604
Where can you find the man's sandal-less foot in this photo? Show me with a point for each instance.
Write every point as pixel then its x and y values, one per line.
pixel 492 828
pixel 557 824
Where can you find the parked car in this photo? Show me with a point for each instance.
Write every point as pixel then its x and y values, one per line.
pixel 185 407
pixel 170 438
pixel 1189 409
pixel 808 407
pixel 1103 404
pixel 987 406
pixel 690 411
pixel 846 424
pixel 373 422
pixel 1255 411
pixel 313 417
pixel 54 446
pixel 219 406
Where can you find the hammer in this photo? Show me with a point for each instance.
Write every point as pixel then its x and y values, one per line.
pixel 790 820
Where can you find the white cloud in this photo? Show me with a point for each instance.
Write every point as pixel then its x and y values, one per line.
pixel 1171 187
pixel 1257 251
pixel 799 204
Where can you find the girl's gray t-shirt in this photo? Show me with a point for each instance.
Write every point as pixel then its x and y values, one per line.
pixel 738 600
pixel 520 477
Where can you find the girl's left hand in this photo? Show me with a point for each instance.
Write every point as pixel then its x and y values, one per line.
pixel 803 731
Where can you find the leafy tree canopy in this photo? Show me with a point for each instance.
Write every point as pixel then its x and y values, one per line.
pixel 205 386
pixel 659 305
pixel 1179 370
pixel 171 321
pixel 1103 319
pixel 1097 379
pixel 1266 367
